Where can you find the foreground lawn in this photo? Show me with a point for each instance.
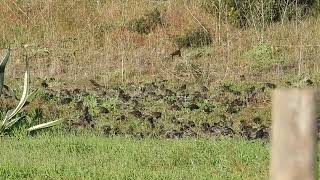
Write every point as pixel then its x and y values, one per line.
pixel 83 157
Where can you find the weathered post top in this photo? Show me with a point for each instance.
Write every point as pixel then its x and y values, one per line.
pixel 293 154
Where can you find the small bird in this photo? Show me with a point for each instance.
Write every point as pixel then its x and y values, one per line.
pixel 176 53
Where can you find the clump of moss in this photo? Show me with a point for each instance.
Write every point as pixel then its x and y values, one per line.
pixel 147 23
pixel 194 38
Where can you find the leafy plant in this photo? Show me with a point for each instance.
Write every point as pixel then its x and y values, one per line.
pixel 261 56
pixel 2 69
pixel 10 119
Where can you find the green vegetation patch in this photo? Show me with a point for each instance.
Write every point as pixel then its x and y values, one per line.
pixel 154 109
pixel 261 56
pixel 258 13
pixel 96 157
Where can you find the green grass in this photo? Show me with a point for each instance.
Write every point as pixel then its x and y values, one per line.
pixel 96 157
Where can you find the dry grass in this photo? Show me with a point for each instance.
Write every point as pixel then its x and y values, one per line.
pixel 80 40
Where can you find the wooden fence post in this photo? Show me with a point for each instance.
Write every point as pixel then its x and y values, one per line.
pixel 294 141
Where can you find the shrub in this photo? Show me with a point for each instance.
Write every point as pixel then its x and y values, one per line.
pixel 147 23
pixel 260 56
pixel 195 38
pixel 256 12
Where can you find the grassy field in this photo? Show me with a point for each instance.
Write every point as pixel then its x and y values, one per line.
pixel 94 157
pixel 106 67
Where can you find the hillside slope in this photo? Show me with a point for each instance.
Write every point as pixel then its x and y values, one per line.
pixel 118 53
